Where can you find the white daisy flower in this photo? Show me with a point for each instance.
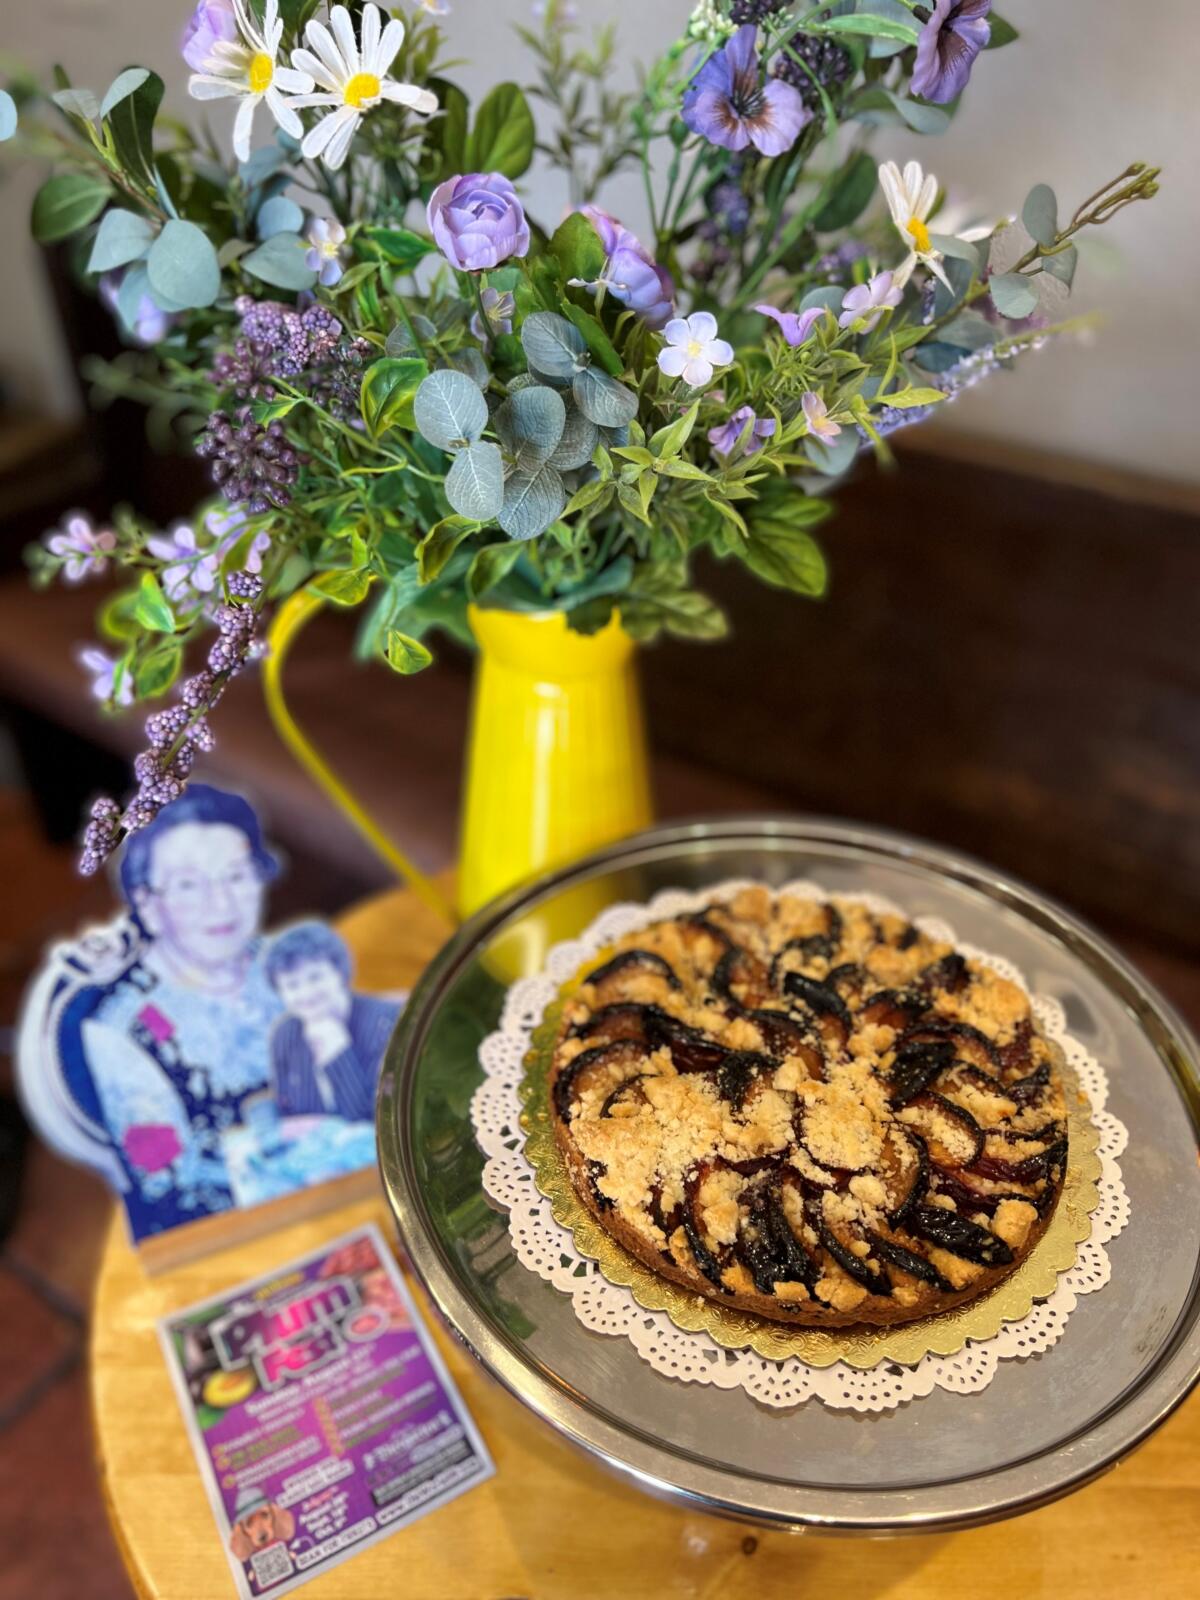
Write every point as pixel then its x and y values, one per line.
pixel 693 349
pixel 247 71
pixel 910 196
pixel 352 79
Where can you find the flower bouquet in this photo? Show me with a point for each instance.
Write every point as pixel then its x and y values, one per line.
pixel 417 396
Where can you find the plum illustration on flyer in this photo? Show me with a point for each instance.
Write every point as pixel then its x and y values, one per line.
pixel 203 1065
pixel 321 1415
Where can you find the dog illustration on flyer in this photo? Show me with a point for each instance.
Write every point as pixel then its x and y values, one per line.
pixel 200 1063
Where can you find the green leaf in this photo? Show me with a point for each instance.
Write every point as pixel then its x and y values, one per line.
pixel 577 248
pixel 344 588
pixel 404 654
pixel 444 147
pixel 151 608
pixel 388 390
pixel 475 482
pixel 786 558
pixel 398 247
pixel 669 441
pixel 530 424
pixel 1013 295
pixel 280 261
pixel 921 118
pixel 157 671
pixel 865 23
pixel 449 410
pixel 846 195
pixel 123 236
pixel 532 501
pixel 910 397
pixel 66 203
pixel 683 612
pixel 684 469
pixel 128 111
pixel 553 346
pixel 597 341
pixel 440 543
pixel 183 267
pixel 8 115
pixel 278 215
pixel 491 566
pixel 1002 33
pixel 603 400
pixel 81 103
pixel 273 410
pixel 502 139
pixel 1040 214
pixel 116 618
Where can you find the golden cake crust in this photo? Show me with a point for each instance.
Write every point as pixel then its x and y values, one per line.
pixel 810 1112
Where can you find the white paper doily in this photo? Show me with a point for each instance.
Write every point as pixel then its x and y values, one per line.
pixel 548 1248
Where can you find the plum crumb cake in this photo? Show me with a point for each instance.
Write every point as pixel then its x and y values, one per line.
pixel 809 1111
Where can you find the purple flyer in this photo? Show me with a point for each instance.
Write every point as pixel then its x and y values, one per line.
pixel 320 1412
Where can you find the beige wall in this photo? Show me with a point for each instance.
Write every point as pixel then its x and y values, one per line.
pixel 1092 85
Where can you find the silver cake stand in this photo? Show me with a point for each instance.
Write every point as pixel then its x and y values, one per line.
pixel 1044 1426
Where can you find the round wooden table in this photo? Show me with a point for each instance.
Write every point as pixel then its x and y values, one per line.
pixel 550 1524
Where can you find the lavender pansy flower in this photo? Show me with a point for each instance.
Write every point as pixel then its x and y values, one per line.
pixel 499 308
pixel 796 326
pixel 630 274
pixel 724 439
pixel 816 414
pixel 325 238
pixel 729 104
pixel 954 35
pixel 83 549
pixel 102 670
pixel 692 349
pixel 478 221
pixel 212 21
pixel 869 301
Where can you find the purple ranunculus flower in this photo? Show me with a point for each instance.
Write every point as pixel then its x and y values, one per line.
pixel 211 22
pixel 730 105
pixel 869 300
pixel 954 35
pixel 796 326
pixel 478 221
pixel 630 273
pixel 724 439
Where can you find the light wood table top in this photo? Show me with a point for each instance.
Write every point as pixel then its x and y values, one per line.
pixel 551 1525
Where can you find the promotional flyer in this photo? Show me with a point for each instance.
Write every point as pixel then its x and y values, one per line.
pixel 321 1414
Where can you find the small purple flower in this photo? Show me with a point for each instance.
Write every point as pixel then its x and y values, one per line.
pixel 630 274
pixel 796 326
pixel 102 670
pixel 869 300
pixel 212 21
pixel 478 221
pixel 728 103
pixel 226 526
pixel 499 309
pixel 954 35
pixel 151 323
pixel 326 238
pixel 724 439
pixel 84 550
pixel 191 573
pixel 816 414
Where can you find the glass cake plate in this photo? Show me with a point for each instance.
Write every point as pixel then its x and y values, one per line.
pixel 1042 1427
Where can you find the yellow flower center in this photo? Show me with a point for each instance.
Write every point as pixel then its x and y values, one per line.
pixel 363 86
pixel 920 235
pixel 262 70
pixel 694 349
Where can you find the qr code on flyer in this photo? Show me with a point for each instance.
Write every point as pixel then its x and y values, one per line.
pixel 272 1565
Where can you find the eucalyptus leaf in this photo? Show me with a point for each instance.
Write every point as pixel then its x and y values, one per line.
pixel 835 456
pixel 1013 295
pixel 553 345
pixel 1040 214
pixel 262 164
pixel 599 344
pixel 475 482
pixel 960 275
pixel 502 139
pixel 958 249
pixel 530 424
pixel 400 342
pixel 182 266
pixel 532 501
pixel 278 215
pixel 1062 264
pixel 65 204
pixel 449 410
pixel 404 654
pixel 281 262
pixel 831 298
pixel 603 400
pixel 578 443
pixel 122 237
pixel 470 361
